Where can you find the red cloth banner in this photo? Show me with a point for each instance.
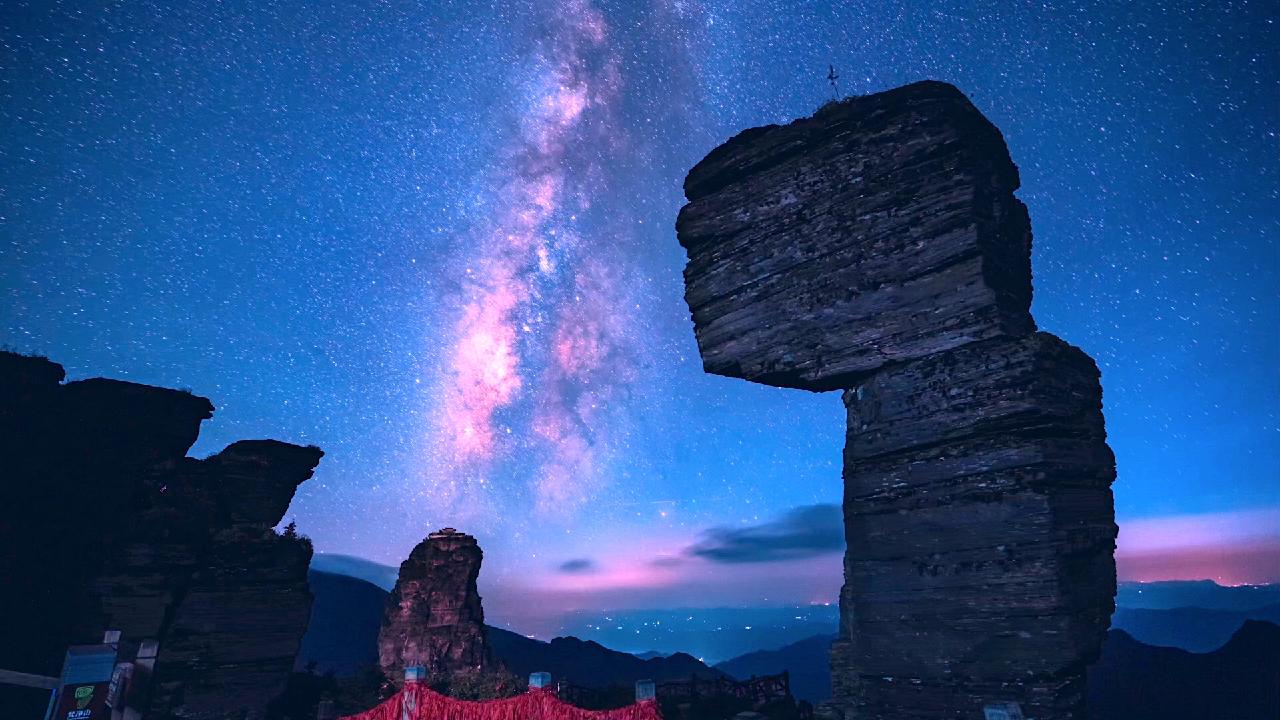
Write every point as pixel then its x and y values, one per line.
pixel 423 703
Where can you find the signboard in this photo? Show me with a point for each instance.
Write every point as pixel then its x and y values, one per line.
pixel 646 690
pixel 85 683
pixel 1002 711
pixel 82 702
pixel 119 688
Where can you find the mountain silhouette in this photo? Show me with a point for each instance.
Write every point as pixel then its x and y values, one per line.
pixel 1190 628
pixel 588 663
pixel 806 660
pixel 1133 680
pixel 342 638
pixel 1239 681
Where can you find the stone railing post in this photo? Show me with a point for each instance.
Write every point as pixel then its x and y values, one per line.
pixel 412 674
pixel 646 690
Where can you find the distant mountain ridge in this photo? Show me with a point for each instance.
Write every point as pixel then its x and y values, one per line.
pixel 1190 628
pixel 806 660
pixel 377 574
pixel 342 635
pixel 342 638
pixel 590 664
pixel 1197 615
pixel 1171 594
pixel 650 654
pixel 1133 680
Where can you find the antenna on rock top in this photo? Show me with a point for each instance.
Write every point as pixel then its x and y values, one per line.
pixel 832 77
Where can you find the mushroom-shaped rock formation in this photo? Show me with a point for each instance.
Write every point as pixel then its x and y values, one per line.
pixel 877 248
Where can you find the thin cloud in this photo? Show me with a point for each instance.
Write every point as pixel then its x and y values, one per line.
pixel 802 532
pixel 577 566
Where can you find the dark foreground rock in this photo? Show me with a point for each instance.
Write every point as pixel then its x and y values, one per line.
pixel 980 530
pixel 877 248
pixel 106 524
pixel 433 616
pixel 1131 681
pixel 1240 680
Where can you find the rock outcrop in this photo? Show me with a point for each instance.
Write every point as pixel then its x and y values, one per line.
pixel 881 229
pixel 107 524
pixel 877 248
pixel 433 617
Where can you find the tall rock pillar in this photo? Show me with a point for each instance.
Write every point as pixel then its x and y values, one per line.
pixel 877 248
pixel 433 617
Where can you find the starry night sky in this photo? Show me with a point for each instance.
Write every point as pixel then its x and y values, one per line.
pixel 436 239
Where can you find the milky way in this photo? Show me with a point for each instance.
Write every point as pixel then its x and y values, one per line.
pixel 539 290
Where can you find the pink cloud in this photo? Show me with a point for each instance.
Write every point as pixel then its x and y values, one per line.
pixel 629 580
pixel 1239 547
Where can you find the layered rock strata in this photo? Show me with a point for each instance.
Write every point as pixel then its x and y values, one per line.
pixel 108 525
pixel 881 229
pixel 877 248
pixel 433 617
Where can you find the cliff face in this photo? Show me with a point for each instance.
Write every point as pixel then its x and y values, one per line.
pixel 433 617
pixel 877 248
pixel 878 230
pixel 108 525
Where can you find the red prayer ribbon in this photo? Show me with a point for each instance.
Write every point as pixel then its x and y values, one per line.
pixel 536 704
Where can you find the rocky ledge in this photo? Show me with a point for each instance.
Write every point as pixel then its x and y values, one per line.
pixel 107 524
pixel 881 229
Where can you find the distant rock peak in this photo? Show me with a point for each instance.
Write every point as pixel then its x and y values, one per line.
pixel 434 617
